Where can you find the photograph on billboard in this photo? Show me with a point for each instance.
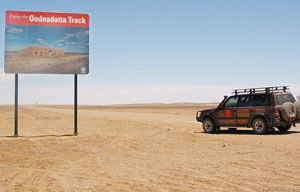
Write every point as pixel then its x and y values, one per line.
pixel 46 43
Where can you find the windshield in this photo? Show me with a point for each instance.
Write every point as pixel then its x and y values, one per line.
pixel 281 99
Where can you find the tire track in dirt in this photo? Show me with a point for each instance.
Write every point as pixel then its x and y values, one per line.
pixel 132 116
pixel 51 172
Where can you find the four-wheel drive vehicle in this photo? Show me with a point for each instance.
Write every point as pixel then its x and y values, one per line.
pixel 259 108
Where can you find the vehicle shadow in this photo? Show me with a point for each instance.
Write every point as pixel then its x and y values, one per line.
pixel 250 132
pixel 37 136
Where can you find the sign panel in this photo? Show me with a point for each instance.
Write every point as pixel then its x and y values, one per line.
pixel 46 43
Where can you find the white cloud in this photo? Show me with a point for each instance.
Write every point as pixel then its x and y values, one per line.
pixel 295 89
pixel 167 93
pixel 8 36
pixel 70 43
pixel 95 94
pixel 14 30
pixel 59 41
pixel 69 35
pixel 7 93
pixel 101 94
pixel 42 41
pixel 6 77
pixel 81 44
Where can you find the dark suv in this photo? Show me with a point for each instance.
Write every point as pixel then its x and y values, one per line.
pixel 260 108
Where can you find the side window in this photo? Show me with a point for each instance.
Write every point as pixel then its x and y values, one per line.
pixel 245 101
pixel 231 102
pixel 282 98
pixel 261 100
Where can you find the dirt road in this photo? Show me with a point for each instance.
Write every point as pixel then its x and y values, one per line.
pixel 144 148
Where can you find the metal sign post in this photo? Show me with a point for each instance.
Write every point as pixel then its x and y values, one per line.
pixel 16 105
pixel 75 105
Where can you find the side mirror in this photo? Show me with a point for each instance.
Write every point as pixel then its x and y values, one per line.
pixel 222 107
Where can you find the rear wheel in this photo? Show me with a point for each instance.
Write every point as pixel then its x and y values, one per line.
pixel 209 126
pixel 284 128
pixel 259 125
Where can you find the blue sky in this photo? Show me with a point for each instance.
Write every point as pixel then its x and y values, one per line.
pixel 169 51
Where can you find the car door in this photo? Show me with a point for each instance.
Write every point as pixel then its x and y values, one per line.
pixel 226 114
pixel 261 103
pixel 244 106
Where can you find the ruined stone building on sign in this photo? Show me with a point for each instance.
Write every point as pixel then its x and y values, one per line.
pixel 35 51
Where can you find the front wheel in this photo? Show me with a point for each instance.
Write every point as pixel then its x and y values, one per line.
pixel 284 128
pixel 259 125
pixel 209 126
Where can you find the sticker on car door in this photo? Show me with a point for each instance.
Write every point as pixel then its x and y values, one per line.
pixel 228 113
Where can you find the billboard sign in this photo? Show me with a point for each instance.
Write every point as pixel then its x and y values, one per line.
pixel 46 43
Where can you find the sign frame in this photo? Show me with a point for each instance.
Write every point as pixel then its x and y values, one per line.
pixel 46 43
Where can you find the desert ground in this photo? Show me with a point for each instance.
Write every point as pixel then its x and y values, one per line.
pixel 70 63
pixel 150 147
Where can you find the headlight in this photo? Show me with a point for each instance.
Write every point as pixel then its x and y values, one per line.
pixel 198 113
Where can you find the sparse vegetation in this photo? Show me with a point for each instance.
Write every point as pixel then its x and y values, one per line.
pixel 15 62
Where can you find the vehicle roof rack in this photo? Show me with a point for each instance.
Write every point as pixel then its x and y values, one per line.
pixel 261 90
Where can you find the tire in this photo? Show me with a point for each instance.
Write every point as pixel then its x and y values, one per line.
pixel 232 129
pixel 297 105
pixel 288 111
pixel 209 126
pixel 259 126
pixel 284 128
